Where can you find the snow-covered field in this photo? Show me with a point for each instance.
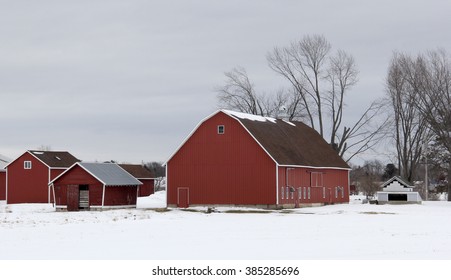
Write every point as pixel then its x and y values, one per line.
pixel 350 231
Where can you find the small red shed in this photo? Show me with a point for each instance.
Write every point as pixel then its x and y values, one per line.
pixel 28 176
pixel 144 175
pixel 87 186
pixel 240 159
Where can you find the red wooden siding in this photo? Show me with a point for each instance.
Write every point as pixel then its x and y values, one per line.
pixel 120 195
pixel 2 185
pixel 310 186
pixel 27 185
pixel 229 168
pixel 147 188
pixel 78 176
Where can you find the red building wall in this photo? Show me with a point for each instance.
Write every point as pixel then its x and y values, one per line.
pixel 324 186
pixel 147 188
pixel 78 176
pixel 27 185
pixel 120 195
pixel 229 168
pixel 114 195
pixel 2 185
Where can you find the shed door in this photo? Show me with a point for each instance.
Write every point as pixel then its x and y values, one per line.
pixel 83 202
pixel 183 197
pixel 72 198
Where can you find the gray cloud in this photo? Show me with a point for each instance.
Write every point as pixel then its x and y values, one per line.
pixel 128 80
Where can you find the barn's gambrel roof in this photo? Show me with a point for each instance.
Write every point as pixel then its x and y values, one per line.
pixel 287 143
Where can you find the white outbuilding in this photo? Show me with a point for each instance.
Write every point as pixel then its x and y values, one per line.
pixel 397 191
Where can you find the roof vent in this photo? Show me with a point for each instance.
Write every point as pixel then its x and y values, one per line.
pixel 57 157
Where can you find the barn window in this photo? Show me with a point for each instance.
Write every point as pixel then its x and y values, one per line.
pixel 342 192
pixel 283 192
pixel 324 192
pixel 316 179
pixel 287 192
pixel 308 193
pixel 221 129
pixel 300 193
pixel 305 192
pixel 336 192
pixel 27 164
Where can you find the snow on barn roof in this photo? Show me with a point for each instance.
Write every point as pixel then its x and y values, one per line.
pixel 290 143
pixel 110 174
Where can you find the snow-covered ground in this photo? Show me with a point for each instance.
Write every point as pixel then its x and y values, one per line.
pixel 348 231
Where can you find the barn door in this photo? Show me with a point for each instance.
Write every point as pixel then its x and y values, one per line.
pixel 183 197
pixel 72 198
pixel 83 202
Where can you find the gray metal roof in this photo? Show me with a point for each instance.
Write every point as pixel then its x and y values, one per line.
pixel 110 174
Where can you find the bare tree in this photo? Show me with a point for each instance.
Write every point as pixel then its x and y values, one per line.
pixel 238 93
pixel 404 79
pixel 368 177
pixel 322 79
pixel 435 98
pixel 318 84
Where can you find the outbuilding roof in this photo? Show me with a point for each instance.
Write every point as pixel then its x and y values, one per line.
pixel 55 159
pixel 403 182
pixel 110 174
pixel 138 171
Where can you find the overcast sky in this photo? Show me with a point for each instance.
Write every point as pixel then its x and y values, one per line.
pixel 129 80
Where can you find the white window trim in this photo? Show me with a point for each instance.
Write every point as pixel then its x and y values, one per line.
pixel 27 164
pixel 221 126
pixel 314 179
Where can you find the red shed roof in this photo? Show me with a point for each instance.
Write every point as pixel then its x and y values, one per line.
pixel 288 143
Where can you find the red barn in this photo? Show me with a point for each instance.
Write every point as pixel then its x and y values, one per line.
pixel 144 175
pixel 240 159
pixel 29 175
pixel 87 186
